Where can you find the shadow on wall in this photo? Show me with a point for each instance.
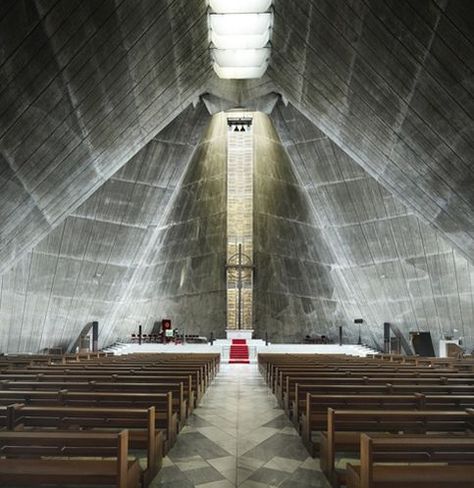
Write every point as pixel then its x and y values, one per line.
pixel 293 295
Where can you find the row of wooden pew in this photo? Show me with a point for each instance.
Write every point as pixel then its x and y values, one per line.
pixel 83 421
pixel 466 363
pixel 11 361
pixel 417 418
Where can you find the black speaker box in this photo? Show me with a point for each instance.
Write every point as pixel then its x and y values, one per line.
pixel 422 343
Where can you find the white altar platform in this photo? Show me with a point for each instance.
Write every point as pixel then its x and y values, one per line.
pixel 222 346
pixel 239 334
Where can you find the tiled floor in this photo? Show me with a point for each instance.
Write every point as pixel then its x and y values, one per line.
pixel 239 437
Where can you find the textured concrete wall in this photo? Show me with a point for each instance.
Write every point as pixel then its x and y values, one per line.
pixel 91 266
pixel 293 288
pixel 387 265
pixel 83 87
pixel 331 245
pixel 391 83
pixel 186 271
pixel 86 86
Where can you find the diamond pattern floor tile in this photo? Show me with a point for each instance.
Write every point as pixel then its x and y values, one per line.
pixel 239 437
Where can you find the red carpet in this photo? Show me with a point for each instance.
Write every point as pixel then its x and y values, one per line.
pixel 239 352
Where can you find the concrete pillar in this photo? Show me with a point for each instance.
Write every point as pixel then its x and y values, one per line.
pixel 386 337
pixel 95 336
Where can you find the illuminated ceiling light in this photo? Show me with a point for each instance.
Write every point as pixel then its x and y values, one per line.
pixel 244 31
pixel 240 34
pixel 240 73
pixel 253 41
pixel 240 24
pixel 239 6
pixel 240 58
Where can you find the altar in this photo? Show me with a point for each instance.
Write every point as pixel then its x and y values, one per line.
pixel 239 334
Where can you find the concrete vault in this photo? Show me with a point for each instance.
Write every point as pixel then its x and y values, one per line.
pixel 112 180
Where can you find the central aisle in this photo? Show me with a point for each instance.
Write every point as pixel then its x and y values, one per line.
pixel 239 437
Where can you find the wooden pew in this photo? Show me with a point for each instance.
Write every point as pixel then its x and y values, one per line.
pixel 345 426
pixel 143 427
pixel 87 376
pixel 171 369
pixel 39 458
pixel 177 389
pixel 12 361
pixel 77 392
pixel 301 390
pixel 3 415
pixel 166 414
pixel 365 383
pixel 314 416
pixel 466 363
pixel 271 364
pixel 271 367
pixel 297 388
pixel 378 389
pixel 284 375
pixel 208 365
pixel 434 462
pixel 196 389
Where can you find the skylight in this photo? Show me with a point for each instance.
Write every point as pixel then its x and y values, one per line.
pixel 239 6
pixel 240 32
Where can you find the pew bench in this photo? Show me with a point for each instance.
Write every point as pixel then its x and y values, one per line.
pixel 345 368
pixel 202 372
pixel 177 389
pixel 285 389
pixel 296 395
pixel 59 458
pixel 193 387
pixel 345 426
pixel 413 462
pixel 314 416
pixel 166 413
pixel 185 405
pixel 380 389
pixel 143 427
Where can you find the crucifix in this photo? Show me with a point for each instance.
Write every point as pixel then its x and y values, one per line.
pixel 240 262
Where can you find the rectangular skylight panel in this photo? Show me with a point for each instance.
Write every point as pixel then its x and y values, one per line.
pixel 240 6
pixel 240 24
pixel 239 73
pixel 240 32
pixel 241 57
pixel 240 42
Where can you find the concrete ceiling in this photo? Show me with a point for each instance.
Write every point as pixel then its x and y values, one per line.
pixel 379 130
pixel 83 87
pixel 391 84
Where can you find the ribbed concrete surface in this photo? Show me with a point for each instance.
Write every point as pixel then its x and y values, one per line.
pixel 89 168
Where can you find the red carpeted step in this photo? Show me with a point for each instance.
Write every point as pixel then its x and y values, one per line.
pixel 239 352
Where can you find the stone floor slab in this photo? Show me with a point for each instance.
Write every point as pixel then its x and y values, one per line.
pixel 239 437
